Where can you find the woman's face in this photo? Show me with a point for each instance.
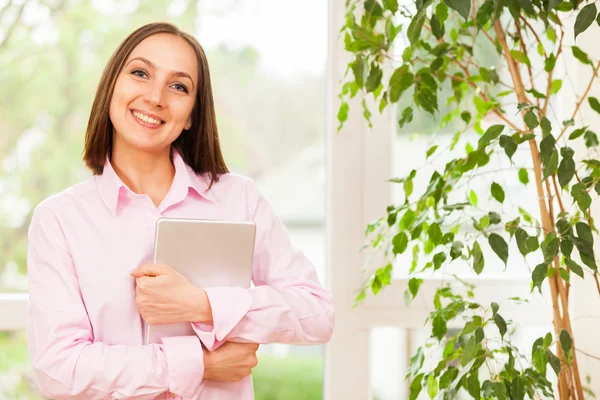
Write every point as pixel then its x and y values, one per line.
pixel 154 94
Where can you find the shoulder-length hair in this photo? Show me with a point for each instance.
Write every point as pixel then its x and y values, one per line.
pixel 199 146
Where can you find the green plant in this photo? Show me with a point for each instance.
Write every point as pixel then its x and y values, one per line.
pixel 289 378
pixel 448 55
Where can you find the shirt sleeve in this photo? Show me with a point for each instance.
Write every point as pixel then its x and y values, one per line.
pixel 287 304
pixel 68 363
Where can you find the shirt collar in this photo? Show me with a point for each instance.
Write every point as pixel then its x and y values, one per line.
pixel 112 188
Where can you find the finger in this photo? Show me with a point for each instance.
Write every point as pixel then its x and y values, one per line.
pixel 149 270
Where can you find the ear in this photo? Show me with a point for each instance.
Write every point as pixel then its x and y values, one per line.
pixel 188 124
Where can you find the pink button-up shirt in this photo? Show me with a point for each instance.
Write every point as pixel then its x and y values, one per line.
pixel 85 333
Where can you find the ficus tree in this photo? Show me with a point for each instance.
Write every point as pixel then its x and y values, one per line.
pixel 488 67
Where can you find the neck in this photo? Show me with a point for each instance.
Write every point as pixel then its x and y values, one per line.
pixel 149 173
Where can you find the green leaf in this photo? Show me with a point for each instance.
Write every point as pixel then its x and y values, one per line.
pixel 564 274
pixel 490 134
pixel 573 266
pixel 441 10
pixel 532 243
pixel 495 308
pixel 497 192
pixel 435 233
pixel 498 244
pixel 473 198
pixel 591 140
pixel 456 249
pixel 374 78
pixel 566 171
pixel 509 145
pixel 546 147
pixel 551 164
pixel 540 360
pixel 407 117
pixel 468 351
pixel 565 341
pixel 585 233
pixel 431 150
pixel 413 286
pixel 521 237
pixel 539 274
pixel 546 126
pixel 416 26
pixel 581 196
pixel 520 57
pixel 494 218
pixel 408 187
pixel 415 387
pixel 432 386
pixel 553 361
pixel 448 377
pixel 342 115
pixel 550 62
pixel 594 103
pixel 566 247
pixel 550 247
pixel 473 385
pixel 517 388
pixel 501 324
pixel 462 6
pixel 400 243
pixel 416 362
pixel 376 285
pixel 523 176
pixel 479 335
pixel 577 132
pixel 438 260
pixel 484 13
pixel 439 327
pixel 478 260
pixel 531 120
pixel 437 28
pixel 391 5
pixel 401 80
pixel 586 16
pixel 581 55
pixel 556 86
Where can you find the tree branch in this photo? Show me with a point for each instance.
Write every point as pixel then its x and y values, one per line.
pixel 580 102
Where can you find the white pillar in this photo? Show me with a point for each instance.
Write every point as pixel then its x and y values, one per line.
pixel 358 166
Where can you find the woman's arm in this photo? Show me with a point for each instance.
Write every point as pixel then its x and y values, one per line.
pixel 67 361
pixel 287 304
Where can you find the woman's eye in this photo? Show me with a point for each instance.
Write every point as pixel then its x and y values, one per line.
pixel 139 73
pixel 180 87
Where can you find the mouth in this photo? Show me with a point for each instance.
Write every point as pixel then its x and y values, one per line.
pixel 146 120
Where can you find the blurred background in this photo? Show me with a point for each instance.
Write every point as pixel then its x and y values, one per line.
pixel 268 76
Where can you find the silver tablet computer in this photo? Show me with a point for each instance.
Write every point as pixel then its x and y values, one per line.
pixel 209 253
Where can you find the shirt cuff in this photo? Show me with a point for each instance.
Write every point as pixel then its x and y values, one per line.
pixel 229 305
pixel 185 363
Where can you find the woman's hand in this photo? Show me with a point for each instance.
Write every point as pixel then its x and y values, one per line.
pixel 165 296
pixel 231 362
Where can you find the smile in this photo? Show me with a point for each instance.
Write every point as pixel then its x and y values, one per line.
pixel 146 120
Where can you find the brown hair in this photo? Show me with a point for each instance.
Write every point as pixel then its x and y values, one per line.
pixel 199 146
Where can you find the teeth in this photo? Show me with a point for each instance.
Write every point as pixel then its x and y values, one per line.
pixel 146 118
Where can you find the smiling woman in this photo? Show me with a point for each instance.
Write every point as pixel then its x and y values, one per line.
pixel 152 144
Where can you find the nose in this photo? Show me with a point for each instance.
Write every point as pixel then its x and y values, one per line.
pixel 154 96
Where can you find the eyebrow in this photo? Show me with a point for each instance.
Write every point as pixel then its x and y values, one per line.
pixel 175 73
